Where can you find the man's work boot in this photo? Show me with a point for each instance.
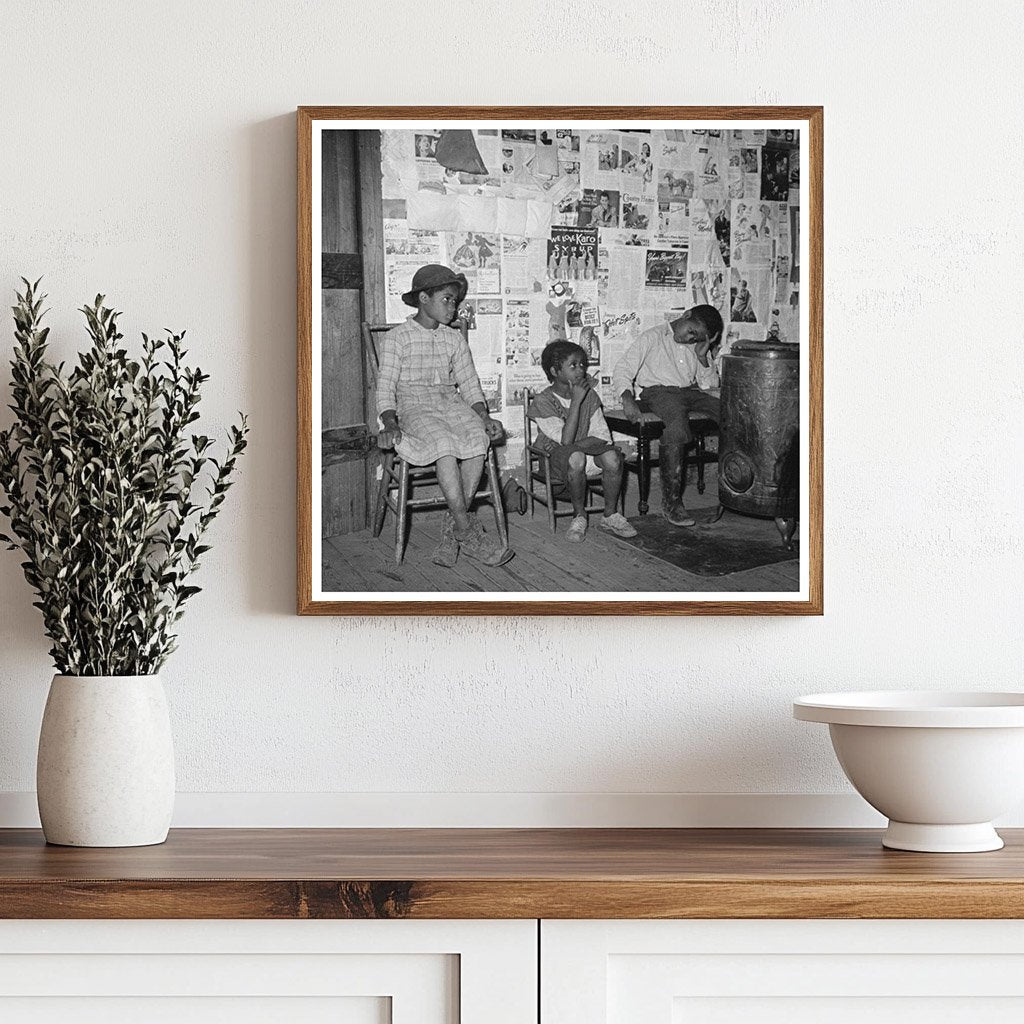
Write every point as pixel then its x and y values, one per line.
pixel 672 463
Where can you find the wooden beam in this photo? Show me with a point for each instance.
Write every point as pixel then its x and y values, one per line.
pixel 371 247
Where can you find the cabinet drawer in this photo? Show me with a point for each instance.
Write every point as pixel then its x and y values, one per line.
pixel 299 972
pixel 782 972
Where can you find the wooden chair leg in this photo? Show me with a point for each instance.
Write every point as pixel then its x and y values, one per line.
pixel 643 473
pixel 401 511
pixel 701 451
pixel 551 494
pixel 381 509
pixel 499 506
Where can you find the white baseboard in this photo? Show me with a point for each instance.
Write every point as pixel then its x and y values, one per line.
pixel 495 810
pixel 504 810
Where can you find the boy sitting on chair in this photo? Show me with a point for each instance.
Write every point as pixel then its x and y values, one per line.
pixel 573 431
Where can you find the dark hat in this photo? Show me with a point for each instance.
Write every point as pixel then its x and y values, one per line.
pixel 433 275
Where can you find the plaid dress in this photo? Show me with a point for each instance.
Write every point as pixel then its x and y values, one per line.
pixel 429 379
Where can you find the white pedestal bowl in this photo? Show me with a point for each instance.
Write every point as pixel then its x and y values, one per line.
pixel 940 766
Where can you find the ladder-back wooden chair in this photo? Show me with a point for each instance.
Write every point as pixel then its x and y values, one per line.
pixel 537 470
pixel 398 478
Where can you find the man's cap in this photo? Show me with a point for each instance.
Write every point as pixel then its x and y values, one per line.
pixel 434 275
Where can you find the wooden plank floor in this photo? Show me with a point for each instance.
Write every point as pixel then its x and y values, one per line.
pixel 543 563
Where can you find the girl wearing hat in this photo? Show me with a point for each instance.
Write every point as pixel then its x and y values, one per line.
pixel 433 411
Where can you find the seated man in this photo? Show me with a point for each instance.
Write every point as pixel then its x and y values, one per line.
pixel 670 363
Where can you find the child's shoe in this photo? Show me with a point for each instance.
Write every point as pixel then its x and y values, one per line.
pixel 577 530
pixel 477 545
pixel 447 552
pixel 618 524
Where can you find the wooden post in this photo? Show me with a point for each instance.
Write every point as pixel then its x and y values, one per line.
pixel 347 438
pixel 371 249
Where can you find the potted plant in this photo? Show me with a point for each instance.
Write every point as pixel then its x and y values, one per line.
pixel 109 496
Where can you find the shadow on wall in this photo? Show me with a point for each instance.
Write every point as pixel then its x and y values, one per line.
pixel 670 743
pixel 21 638
pixel 266 298
pixel 270 180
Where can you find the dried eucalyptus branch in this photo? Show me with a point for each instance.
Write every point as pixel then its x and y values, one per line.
pixel 109 496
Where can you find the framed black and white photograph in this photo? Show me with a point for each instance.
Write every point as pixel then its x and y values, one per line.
pixel 559 360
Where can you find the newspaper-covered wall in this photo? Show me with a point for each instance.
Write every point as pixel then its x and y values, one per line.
pixel 594 236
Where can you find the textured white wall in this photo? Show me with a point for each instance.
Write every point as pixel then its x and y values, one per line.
pixel 148 152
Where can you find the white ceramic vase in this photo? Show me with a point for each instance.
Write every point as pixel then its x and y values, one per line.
pixel 105 771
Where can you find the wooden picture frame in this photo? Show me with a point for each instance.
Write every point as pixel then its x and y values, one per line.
pixel 352 284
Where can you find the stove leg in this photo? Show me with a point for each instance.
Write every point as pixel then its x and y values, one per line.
pixel 786 527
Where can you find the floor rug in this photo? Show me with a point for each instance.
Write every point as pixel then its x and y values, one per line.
pixel 736 542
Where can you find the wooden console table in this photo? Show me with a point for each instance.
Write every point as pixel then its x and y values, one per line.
pixel 497 926
pixel 506 874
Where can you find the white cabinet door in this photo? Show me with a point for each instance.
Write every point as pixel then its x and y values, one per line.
pixel 258 972
pixel 782 972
